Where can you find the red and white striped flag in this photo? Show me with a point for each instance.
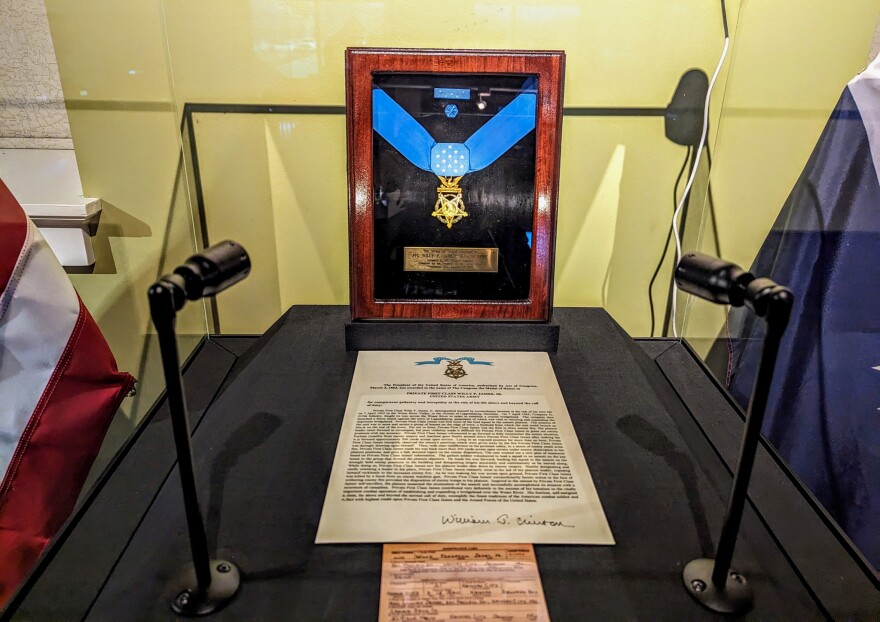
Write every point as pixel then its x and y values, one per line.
pixel 59 389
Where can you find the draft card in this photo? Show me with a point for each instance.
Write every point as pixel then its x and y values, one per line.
pixel 461 582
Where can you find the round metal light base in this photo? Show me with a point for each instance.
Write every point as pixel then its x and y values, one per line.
pixel 734 597
pixel 189 601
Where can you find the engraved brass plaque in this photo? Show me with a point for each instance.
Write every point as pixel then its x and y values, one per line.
pixel 449 259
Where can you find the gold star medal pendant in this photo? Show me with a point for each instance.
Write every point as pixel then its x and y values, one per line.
pixel 449 208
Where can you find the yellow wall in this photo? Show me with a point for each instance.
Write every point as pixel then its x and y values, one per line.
pixel 114 73
pixel 624 53
pixel 277 183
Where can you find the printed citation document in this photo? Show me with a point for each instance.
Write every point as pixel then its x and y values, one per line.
pixel 459 447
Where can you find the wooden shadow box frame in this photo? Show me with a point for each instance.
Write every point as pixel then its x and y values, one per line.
pixel 360 65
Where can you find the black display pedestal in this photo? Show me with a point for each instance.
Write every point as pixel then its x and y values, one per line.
pixel 661 440
pixel 471 336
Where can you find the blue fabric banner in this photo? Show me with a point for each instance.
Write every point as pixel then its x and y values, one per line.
pixel 823 414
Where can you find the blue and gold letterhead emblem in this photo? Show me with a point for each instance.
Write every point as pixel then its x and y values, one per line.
pixel 454 367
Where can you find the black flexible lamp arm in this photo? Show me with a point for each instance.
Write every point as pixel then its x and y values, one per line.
pixel 210 584
pixel 712 582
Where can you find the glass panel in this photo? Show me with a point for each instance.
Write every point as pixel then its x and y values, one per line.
pixel 258 92
pixel 276 184
pixel 126 140
pixel 87 112
pixel 445 138
pixel 282 192
pixel 793 197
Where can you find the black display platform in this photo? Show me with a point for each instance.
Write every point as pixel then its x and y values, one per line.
pixel 422 335
pixel 658 436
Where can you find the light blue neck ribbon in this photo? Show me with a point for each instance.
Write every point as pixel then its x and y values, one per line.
pixel 486 145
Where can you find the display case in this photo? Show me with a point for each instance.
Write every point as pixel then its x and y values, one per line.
pixel 453 173
pixel 344 146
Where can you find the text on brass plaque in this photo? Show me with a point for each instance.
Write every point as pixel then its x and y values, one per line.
pixel 449 259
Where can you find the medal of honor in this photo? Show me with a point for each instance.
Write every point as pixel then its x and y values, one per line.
pixel 452 161
pixel 449 208
pixel 453 168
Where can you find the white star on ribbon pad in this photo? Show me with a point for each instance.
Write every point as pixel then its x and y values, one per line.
pixel 450 159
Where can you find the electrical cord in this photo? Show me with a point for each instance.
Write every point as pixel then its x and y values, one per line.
pixel 687 156
pixel 693 174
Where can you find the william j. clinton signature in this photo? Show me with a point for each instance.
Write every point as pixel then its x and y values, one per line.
pixel 501 519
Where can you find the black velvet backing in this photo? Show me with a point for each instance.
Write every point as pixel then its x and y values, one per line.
pixel 499 198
